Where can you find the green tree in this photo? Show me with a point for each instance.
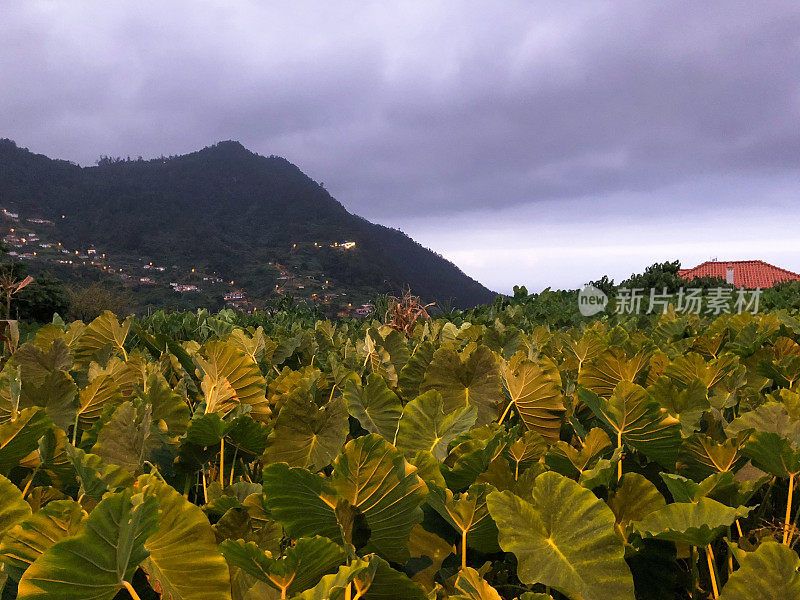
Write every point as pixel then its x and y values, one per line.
pixel 89 302
pixel 40 300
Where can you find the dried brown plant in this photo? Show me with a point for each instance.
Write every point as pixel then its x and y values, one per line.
pixel 404 312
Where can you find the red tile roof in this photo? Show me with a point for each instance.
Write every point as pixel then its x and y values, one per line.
pixel 748 274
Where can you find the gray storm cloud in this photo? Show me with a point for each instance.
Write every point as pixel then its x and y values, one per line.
pixel 439 107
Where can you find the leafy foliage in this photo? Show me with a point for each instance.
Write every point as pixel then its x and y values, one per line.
pixel 196 458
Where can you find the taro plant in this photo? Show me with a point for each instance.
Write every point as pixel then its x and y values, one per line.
pixel 485 457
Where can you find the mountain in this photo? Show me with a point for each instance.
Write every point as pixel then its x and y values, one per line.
pixel 258 221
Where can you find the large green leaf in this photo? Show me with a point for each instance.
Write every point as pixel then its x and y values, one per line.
pixel 103 391
pixel 332 587
pixel 13 507
pixel 306 435
pixel 128 374
pixel 564 539
pixel 301 501
pixel 568 460
pixel 374 405
pixel 526 450
pixel 96 563
pixel 96 476
pixel 413 373
pixel 475 381
pixel 375 479
pixel 20 436
pixel 184 561
pixel 634 499
pixel 774 454
pixel 219 396
pixel 223 361
pixel 473 587
pixel 602 374
pixel 685 404
pixel 105 333
pixel 168 406
pixel 37 364
pixel 378 360
pixel 57 393
pixel 769 573
pixel 389 584
pixel 535 391
pixel 701 456
pixel 473 455
pixel 53 458
pixel 29 539
pixel 126 440
pixel 694 523
pixel 692 367
pixel 426 426
pixel 10 391
pixel 771 417
pixel 635 419
pixel 395 344
pixel 468 514
pixel 301 567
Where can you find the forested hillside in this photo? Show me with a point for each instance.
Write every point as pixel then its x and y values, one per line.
pixel 226 210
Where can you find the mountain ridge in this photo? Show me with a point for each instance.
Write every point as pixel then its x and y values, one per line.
pixel 228 210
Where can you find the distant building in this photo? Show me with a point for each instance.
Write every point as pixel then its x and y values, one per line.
pixel 146 280
pixel 181 288
pixel 748 274
pixel 365 309
pixel 345 245
pixel 236 295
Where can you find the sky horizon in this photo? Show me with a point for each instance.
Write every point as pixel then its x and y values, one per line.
pixel 530 143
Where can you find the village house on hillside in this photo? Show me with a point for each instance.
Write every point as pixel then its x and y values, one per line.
pixel 748 274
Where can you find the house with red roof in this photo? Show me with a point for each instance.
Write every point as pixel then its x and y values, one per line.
pixel 749 274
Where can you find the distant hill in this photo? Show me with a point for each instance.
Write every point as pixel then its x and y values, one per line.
pixel 226 210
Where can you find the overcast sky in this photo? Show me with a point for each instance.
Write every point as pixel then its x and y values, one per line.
pixel 536 143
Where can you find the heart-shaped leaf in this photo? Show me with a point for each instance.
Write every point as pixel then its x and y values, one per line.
pixel 98 562
pixel 564 538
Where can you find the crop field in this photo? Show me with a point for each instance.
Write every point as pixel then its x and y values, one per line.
pixel 481 456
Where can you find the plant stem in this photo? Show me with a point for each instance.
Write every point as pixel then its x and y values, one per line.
pixel 730 555
pixel 788 520
pixel 75 429
pixel 28 485
pixel 131 591
pixel 464 549
pixel 505 412
pixel 711 571
pixel 739 528
pixel 205 490
pixel 233 466
pixel 222 462
pixel 693 568
pixel 619 464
